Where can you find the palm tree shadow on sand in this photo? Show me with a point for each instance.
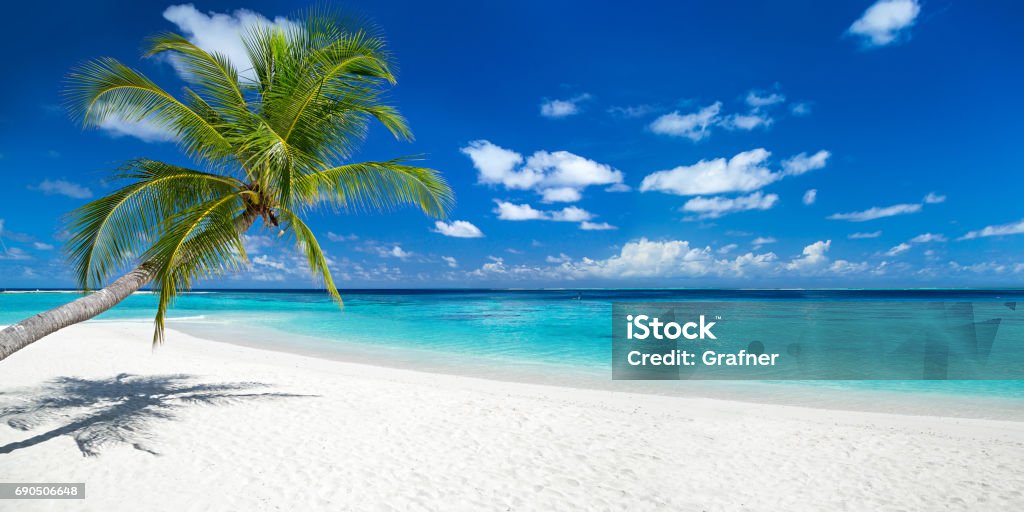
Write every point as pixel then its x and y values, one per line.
pixel 120 409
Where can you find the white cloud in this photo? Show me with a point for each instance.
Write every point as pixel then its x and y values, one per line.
pixel 263 276
pixel 762 240
pixel 570 214
pixel 14 253
pixel 933 198
pixel 396 252
pixel 596 226
pixel 645 258
pixel 652 258
pixel 885 22
pixel 41 246
pixel 64 188
pixel 925 238
pixel 726 249
pixel 744 172
pixel 561 258
pixel 564 169
pixel 746 121
pixel 558 108
pixel 517 212
pixel 618 187
pixel 713 207
pixel 697 125
pixel 760 102
pixel 694 126
pixel 1013 228
pixel 877 212
pixel 497 267
pixel 558 176
pixel 267 261
pixel 496 164
pixel 145 130
pixel 384 249
pixel 287 264
pixel 672 258
pixel 376 272
pixel 220 32
pixel 898 249
pixel 450 261
pixel 986 267
pixel 759 99
pixel 256 243
pixel 813 256
pixel 560 195
pixel 334 237
pixel 802 163
pixel 458 229
pixel 562 108
pixel 860 236
pixel 510 211
pixel 632 111
pixel 810 197
pixel 800 109
pixel 849 267
pixel 522 212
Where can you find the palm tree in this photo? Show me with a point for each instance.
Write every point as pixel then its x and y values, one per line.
pixel 270 141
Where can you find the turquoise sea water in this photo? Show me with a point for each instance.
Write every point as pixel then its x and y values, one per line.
pixel 559 336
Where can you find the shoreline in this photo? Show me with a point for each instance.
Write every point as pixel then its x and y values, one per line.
pixel 316 433
pixel 847 396
pixel 855 396
pixel 377 370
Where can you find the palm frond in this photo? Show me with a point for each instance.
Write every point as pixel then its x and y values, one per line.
pixel 338 120
pixel 307 243
pixel 199 242
pixel 110 233
pixel 377 185
pixel 266 47
pixel 274 162
pixel 104 89
pixel 354 57
pixel 320 82
pixel 212 73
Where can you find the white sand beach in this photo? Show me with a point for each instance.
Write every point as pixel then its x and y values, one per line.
pixel 155 431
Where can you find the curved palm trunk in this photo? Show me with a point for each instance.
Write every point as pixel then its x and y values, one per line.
pixel 20 335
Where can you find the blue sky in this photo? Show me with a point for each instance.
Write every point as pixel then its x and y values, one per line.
pixel 740 144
